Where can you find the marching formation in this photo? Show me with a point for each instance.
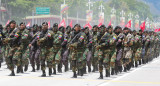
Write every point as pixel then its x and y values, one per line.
pixel 108 49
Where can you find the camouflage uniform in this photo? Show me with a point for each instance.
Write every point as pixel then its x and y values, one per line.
pixel 1 46
pixel 34 51
pixel 104 54
pixel 76 45
pixel 137 49
pixel 22 53
pixel 94 52
pixel 45 41
pixel 119 47
pixel 57 49
pixel 113 51
pixel 127 53
pixel 147 48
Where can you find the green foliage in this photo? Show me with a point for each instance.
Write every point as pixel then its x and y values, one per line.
pixel 21 8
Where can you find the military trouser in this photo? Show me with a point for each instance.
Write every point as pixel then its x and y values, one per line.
pixel 87 55
pixel 1 55
pixel 138 54
pixel 113 58
pixel 46 56
pixel 65 57
pixel 104 59
pixel 34 57
pixel 57 56
pixel 119 56
pixel 6 53
pixel 95 59
pixel 11 59
pixel 127 55
pixel 22 56
pixel 147 55
pixel 77 59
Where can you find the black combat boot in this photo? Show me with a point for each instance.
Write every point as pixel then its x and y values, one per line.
pixel 12 73
pixel 66 68
pixel 84 70
pixel 50 71
pixel 33 69
pixel 125 69
pixel 26 68
pixel 128 67
pixel 43 73
pixel 112 71
pixel 139 62
pixel 107 73
pixel 136 65
pixel 59 68
pixel 120 69
pixel 96 68
pixel 89 69
pixel 78 73
pixel 0 64
pixel 18 69
pixel 81 72
pixel 54 71
pixel 38 67
pixel 101 75
pixel 74 75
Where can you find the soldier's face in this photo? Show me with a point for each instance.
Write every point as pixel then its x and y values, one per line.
pixel 77 29
pixel 110 30
pixel 12 25
pixel 44 27
pixel 22 27
pixel 95 29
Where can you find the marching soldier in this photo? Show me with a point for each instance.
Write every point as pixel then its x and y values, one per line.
pixel 45 41
pixel 76 45
pixel 127 53
pixel 35 51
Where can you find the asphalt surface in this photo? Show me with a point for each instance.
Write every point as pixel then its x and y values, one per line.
pixel 144 75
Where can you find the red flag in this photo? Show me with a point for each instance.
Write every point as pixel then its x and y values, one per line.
pixel 88 25
pixel 110 23
pixel 7 22
pixel 29 24
pixel 156 30
pixel 70 24
pixel 142 26
pixel 49 24
pixel 63 23
pixel 128 24
pixel 100 24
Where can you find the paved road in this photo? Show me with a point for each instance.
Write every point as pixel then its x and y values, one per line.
pixel 144 75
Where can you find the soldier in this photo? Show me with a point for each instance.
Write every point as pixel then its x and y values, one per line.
pixel 35 50
pixel 119 47
pixel 87 55
pixel 156 45
pixel 103 51
pixel 13 40
pixel 1 44
pixel 22 53
pixel 137 48
pixel 147 46
pixel 76 45
pixel 113 51
pixel 127 53
pixel 45 42
pixel 57 48
pixel 65 54
pixel 94 51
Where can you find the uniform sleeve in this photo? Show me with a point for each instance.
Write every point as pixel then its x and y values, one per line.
pixel 59 38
